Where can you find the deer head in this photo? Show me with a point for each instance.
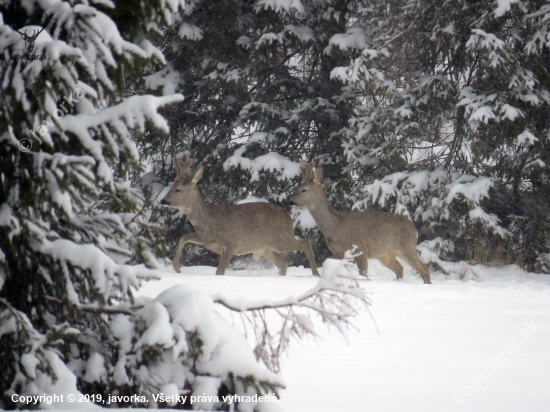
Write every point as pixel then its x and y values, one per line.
pixel 183 192
pixel 310 190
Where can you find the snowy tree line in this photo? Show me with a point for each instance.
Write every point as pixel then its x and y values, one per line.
pixel 437 110
pixel 433 109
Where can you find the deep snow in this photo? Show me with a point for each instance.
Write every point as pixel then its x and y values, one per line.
pixel 477 345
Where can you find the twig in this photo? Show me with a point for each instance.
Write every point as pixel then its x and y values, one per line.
pixel 94 309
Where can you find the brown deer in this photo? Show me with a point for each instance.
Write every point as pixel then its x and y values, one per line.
pixel 261 228
pixel 384 236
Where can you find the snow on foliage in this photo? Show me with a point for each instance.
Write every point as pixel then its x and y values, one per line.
pixel 252 199
pixel 271 162
pixel 190 31
pixel 39 363
pixel 303 33
pixel 527 138
pixel 131 113
pixel 465 104
pixel 541 38
pixel 71 222
pixel 281 5
pixel 168 78
pixel 354 38
pixel 191 349
pixel 432 198
pixel 224 351
pixel 105 271
pixel 503 6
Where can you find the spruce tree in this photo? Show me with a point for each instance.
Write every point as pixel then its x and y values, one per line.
pixel 70 222
pixel 453 126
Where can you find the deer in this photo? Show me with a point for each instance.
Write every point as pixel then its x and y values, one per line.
pixel 260 228
pixel 379 235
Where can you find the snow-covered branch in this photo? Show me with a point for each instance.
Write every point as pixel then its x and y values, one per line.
pixel 335 299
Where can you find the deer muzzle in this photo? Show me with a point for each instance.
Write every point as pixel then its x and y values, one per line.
pixel 292 200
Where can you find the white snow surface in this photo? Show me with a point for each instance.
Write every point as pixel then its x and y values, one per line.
pixel 476 344
pixel 474 340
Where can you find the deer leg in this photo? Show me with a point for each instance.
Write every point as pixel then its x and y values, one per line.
pixel 226 255
pixel 411 257
pixel 395 267
pixel 391 263
pixel 362 264
pixel 304 245
pixel 188 238
pixel 277 259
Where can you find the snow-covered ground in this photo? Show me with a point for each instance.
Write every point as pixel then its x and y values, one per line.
pixel 479 345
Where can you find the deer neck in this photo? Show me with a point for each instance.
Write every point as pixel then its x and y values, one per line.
pixel 199 211
pixel 325 215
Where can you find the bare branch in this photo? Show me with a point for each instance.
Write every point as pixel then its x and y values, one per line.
pixel 335 299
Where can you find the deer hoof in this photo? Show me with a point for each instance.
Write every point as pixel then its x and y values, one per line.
pixel 177 268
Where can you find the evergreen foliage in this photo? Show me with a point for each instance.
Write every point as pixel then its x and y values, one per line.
pixel 69 219
pixel 462 94
pixel 433 109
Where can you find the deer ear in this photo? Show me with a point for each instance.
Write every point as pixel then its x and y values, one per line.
pixel 198 175
pixel 318 176
pixel 307 173
pixel 177 165
pixel 186 162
